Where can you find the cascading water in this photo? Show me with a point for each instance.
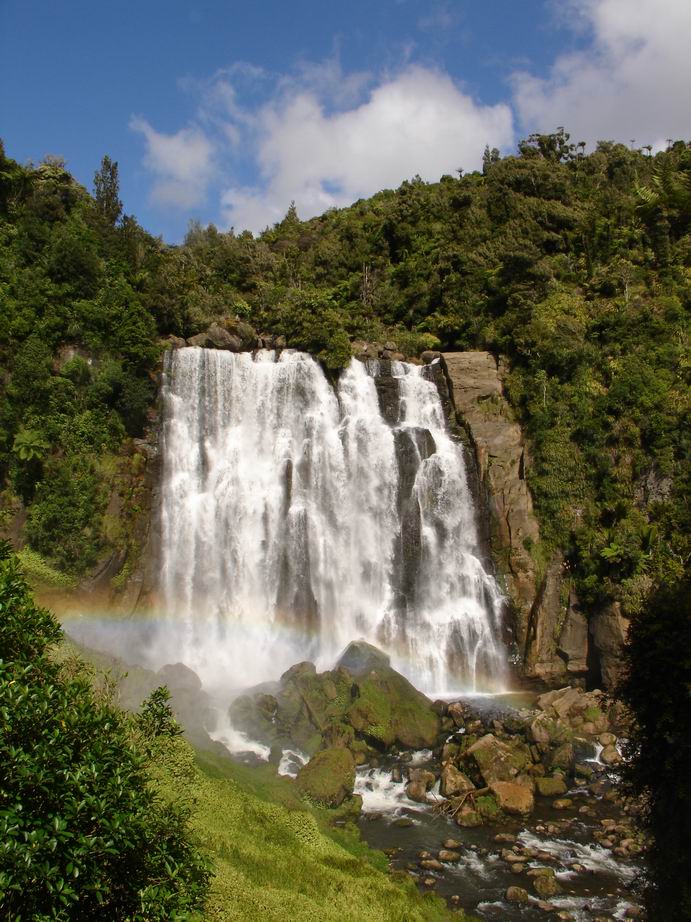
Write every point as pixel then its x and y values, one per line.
pixel 296 518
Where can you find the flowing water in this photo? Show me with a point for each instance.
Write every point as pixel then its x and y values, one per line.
pixel 297 517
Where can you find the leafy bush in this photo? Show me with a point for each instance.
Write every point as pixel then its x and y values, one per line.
pixel 83 836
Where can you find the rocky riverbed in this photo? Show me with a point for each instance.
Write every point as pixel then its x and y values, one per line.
pixel 508 806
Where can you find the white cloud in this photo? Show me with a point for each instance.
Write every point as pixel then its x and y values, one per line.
pixel 417 122
pixel 630 82
pixel 182 164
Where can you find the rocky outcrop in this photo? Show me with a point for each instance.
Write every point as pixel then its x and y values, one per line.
pixel 551 631
pixel 362 704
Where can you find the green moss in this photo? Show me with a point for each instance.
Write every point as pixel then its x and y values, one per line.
pixel 593 714
pixel 40 574
pixel 488 808
pixel 328 778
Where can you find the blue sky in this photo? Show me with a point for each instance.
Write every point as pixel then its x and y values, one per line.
pixel 225 112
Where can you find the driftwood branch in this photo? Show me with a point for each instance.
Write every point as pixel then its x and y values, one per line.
pixel 453 805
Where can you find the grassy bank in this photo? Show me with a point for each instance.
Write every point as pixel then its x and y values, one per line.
pixel 276 858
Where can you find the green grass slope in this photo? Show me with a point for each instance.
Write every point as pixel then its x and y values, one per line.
pixel 278 859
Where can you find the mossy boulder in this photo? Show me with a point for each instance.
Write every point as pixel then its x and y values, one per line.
pixel 387 709
pixel 494 760
pixel 328 778
pixel 338 708
pixel 550 787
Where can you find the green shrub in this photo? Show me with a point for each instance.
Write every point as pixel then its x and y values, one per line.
pixel 83 835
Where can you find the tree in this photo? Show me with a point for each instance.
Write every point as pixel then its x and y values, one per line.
pixel 83 834
pixel 657 692
pixel 107 192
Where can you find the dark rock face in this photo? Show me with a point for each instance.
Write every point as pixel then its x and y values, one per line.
pixel 554 641
pixel 608 630
pixel 413 446
pixel 388 392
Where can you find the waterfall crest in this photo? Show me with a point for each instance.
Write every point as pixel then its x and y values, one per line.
pixel 296 518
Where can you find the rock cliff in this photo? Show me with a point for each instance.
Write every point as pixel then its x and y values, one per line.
pixel 551 632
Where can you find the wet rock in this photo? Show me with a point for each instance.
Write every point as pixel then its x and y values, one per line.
pixel 550 787
pixel 419 783
pixel 583 770
pixel 608 630
pixel 513 798
pixel 429 882
pixel 517 868
pixel 610 755
pixel 607 739
pixel 507 837
pixel 360 657
pixel 478 396
pixel 448 855
pixel 546 886
pixel 563 757
pixel 516 895
pixel 456 713
pixel 468 818
pixel 454 782
pixel 402 822
pixel 496 760
pixel 545 906
pixel 431 864
pixel 451 843
pixel 563 804
pixel 328 778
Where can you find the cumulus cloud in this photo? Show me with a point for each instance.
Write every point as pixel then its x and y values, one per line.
pixel 629 82
pixel 182 164
pixel 415 122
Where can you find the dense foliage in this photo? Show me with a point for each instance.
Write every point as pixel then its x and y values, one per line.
pixel 658 691
pixel 83 833
pixel 575 268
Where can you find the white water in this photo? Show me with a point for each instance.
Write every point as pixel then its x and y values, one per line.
pixel 382 795
pixel 287 512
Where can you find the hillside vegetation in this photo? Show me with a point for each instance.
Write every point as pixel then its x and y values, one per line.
pixel 575 268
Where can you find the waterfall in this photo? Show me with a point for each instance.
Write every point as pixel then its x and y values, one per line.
pixel 297 517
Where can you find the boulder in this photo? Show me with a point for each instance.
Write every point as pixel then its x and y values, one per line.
pixel 468 818
pixel 448 855
pixel 451 843
pixel 221 338
pixel 388 709
pixel 496 760
pixel 454 782
pixel 546 885
pixel 360 658
pixel 563 757
pixel 456 713
pixel 328 778
pixel 550 787
pixel 513 798
pixel 610 755
pixel 420 781
pixel 516 895
pixel 177 676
